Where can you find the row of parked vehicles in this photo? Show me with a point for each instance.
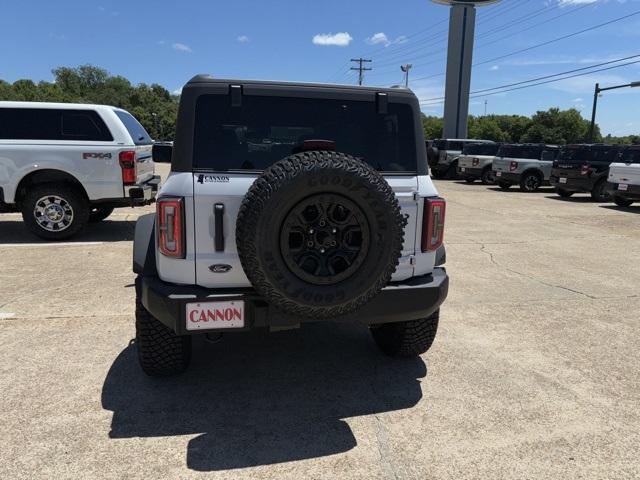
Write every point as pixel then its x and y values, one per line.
pixel 607 172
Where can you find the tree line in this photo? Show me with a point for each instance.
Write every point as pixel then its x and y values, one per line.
pixel 153 105
pixel 553 126
pixel 156 108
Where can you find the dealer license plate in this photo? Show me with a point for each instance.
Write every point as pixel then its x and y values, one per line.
pixel 563 180
pixel 622 186
pixel 210 315
pixel 462 169
pixel 498 174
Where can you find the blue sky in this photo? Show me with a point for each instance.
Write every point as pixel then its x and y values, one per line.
pixel 167 42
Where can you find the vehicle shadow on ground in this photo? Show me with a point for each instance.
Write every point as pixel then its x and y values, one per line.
pixel 516 189
pixel 632 209
pixel 15 232
pixel 261 399
pixel 573 199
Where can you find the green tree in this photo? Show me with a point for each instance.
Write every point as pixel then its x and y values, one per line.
pixel 432 127
pixel 559 127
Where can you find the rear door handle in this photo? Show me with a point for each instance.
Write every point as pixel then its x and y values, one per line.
pixel 218 215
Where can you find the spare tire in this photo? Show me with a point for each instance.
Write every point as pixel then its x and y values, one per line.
pixel 319 234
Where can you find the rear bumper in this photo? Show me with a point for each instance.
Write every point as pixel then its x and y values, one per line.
pixel 416 298
pixel 144 193
pixel 507 177
pixel 572 184
pixel 632 192
pixel 472 172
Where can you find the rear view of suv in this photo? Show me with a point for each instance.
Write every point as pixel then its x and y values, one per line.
pixel 289 203
pixel 476 162
pixel 449 150
pixel 583 168
pixel 528 165
pixel 623 183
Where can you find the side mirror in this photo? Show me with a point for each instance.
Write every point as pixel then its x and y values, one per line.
pixel 162 152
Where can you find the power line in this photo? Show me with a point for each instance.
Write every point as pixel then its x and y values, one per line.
pixel 548 42
pixel 475 95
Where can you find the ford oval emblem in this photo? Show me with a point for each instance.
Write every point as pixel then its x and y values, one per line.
pixel 220 268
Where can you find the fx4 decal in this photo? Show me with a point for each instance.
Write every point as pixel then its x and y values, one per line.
pixel 97 155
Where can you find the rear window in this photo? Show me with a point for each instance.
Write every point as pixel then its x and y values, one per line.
pixel 531 152
pixel 456 146
pixel 52 124
pixel 138 134
pixel 480 149
pixel 266 129
pixel 631 156
pixel 580 154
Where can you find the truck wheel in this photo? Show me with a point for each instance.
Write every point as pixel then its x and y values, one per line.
pixel 160 351
pixel 622 202
pixel 488 177
pixel 319 234
pixel 504 185
pixel 469 179
pixel 98 214
pixel 530 182
pixel 406 339
pixel 563 193
pixel 599 192
pixel 55 211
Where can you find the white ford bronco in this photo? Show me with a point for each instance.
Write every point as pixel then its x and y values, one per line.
pixel 64 164
pixel 623 182
pixel 289 203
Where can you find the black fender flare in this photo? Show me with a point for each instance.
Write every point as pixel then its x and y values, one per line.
pixel 144 245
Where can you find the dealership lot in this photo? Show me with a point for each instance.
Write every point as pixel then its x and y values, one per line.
pixel 533 374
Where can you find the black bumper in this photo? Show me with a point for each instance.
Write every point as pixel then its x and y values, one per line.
pixel 572 184
pixel 416 298
pixel 632 192
pixel 470 172
pixel 507 177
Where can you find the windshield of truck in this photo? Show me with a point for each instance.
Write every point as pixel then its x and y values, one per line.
pixel 266 129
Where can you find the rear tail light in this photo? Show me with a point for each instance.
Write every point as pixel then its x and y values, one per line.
pixel 475 162
pixel 170 221
pixel 586 170
pixel 513 166
pixel 433 223
pixel 128 166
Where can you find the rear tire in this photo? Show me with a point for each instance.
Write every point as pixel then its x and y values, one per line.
pixel 530 182
pixel 55 211
pixel 622 202
pixel 469 180
pixel 504 185
pixel 98 214
pixel 563 193
pixel 160 351
pixel 599 193
pixel 406 339
pixel 488 177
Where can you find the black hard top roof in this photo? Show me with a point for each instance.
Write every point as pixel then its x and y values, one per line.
pixel 204 80
pixel 542 145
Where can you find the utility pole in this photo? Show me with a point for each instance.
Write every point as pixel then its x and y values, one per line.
pixel 360 68
pixel 485 107
pixel 596 94
pixel 405 68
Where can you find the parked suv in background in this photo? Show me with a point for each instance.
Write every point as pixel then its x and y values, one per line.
pixel 448 152
pixel 289 203
pixel 528 165
pixel 64 165
pixel 476 162
pixel 623 183
pixel 583 168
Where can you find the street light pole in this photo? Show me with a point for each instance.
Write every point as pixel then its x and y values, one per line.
pixel 405 68
pixel 596 94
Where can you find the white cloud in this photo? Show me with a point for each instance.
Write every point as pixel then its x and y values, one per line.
pixel 243 39
pixel 177 91
pixel 564 3
pixel 341 39
pixel 578 100
pixel 382 38
pixel 494 68
pixel 181 47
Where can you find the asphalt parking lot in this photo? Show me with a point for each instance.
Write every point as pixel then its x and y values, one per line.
pixel 534 373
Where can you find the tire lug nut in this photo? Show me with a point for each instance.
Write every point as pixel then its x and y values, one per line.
pixel 309 244
pixel 334 230
pixel 333 244
pixel 311 231
pixel 322 250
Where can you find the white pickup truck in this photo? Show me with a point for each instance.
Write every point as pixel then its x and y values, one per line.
pixel 64 165
pixel 623 183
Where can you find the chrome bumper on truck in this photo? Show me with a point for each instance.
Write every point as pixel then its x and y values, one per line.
pixel 413 299
pixel 143 193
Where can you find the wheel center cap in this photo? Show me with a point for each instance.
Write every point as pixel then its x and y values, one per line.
pixel 54 213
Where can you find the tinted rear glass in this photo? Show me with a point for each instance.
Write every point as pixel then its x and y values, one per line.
pixel 138 134
pixel 52 124
pixel 440 144
pixel 266 129
pixel 580 154
pixel 456 146
pixel 531 152
pixel 480 149
pixel 631 156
